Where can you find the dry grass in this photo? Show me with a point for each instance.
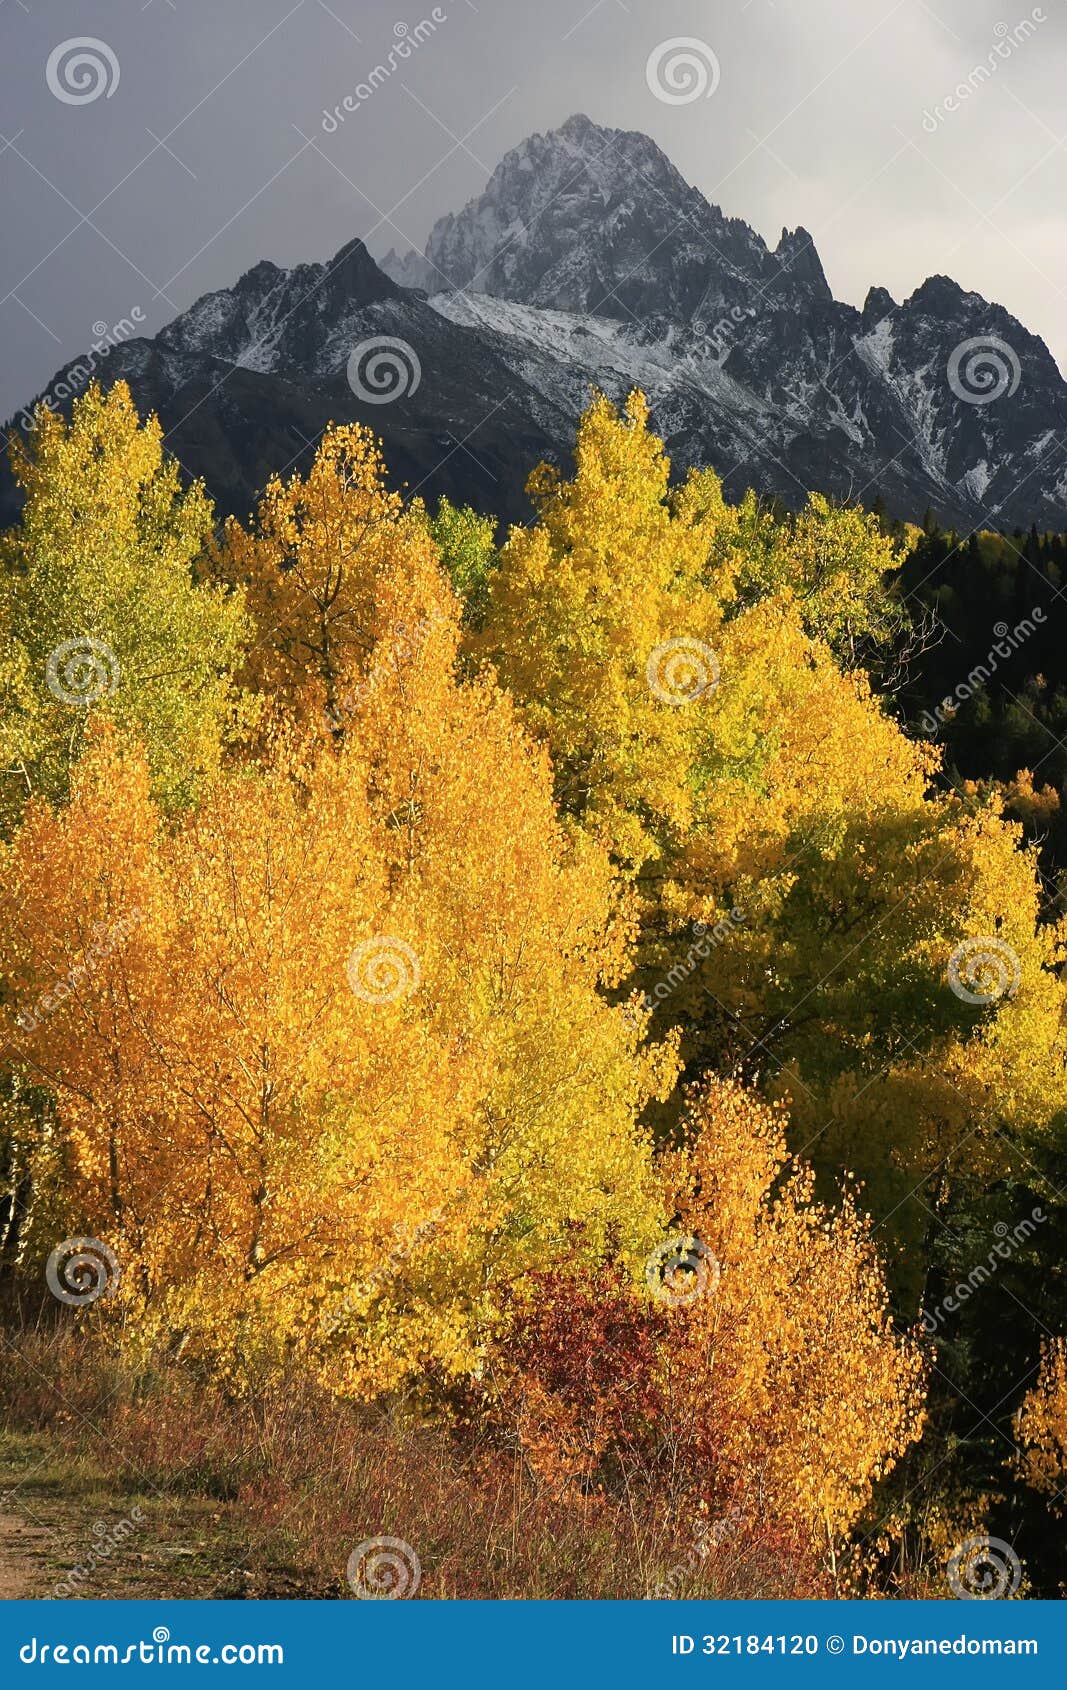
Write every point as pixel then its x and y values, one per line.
pixel 278 1489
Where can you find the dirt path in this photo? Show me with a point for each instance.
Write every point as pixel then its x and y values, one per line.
pixel 68 1529
pixel 24 1552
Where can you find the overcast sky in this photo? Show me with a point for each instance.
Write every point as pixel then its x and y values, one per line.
pixel 208 153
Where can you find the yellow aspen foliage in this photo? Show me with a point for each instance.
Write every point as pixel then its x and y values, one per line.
pixel 672 677
pixel 693 721
pixel 785 1372
pixel 780 809
pixel 1037 807
pixel 345 1070
pixel 17 738
pixel 331 563
pixel 466 542
pixel 835 562
pixel 939 1044
pixel 792 744
pixel 755 1370
pixel 1041 1428
pixel 599 622
pixel 99 605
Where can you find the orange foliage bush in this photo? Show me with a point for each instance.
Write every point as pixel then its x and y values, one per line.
pixel 775 1386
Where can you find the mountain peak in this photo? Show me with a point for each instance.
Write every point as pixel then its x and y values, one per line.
pixel 878 305
pixel 940 296
pixel 409 270
pixel 588 261
pixel 260 276
pixel 354 277
pixel 598 221
pixel 797 255
pixel 578 127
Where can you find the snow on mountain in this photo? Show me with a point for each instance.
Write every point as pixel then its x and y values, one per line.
pixel 589 261
pixel 599 221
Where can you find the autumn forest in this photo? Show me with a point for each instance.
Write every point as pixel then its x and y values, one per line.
pixel 522 1045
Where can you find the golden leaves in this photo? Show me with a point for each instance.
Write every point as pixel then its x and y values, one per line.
pixel 1041 1427
pixel 98 601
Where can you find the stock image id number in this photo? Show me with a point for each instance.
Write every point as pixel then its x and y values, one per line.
pixel 682 1644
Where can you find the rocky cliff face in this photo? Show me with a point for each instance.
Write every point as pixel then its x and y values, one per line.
pixel 246 380
pixel 598 222
pixel 589 261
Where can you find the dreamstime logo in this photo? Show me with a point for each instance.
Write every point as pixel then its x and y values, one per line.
pixel 81 69
pixel 382 969
pixel 682 670
pixel 159 1650
pixel 681 1270
pixel 1007 40
pixel 983 369
pixel 1008 642
pixel 82 670
pixel 406 42
pixel 104 943
pixel 984 1569
pixel 1009 1239
pixel 984 970
pixel 108 1539
pixel 709 1535
pixel 707 939
pixel 77 376
pixel 383 369
pixel 682 70
pixel 81 1270
pixel 384 1569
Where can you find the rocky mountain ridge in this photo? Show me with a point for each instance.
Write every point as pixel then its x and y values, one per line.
pixel 589 261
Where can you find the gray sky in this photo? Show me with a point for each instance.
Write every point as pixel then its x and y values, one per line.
pixel 197 164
